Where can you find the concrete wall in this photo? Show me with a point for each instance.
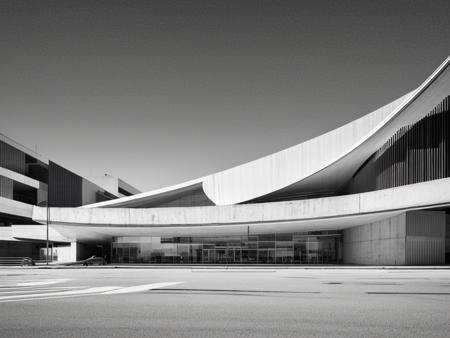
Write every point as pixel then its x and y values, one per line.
pixel 106 182
pixel 11 207
pixel 63 254
pixel 73 252
pixel 89 192
pixel 411 238
pixel 37 232
pixel 379 243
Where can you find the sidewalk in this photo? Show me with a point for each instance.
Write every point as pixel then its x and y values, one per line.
pixel 240 267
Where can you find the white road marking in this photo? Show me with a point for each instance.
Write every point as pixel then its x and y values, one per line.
pixel 25 294
pixel 64 293
pixel 43 298
pixel 138 288
pixel 12 287
pixel 45 282
pixel 16 290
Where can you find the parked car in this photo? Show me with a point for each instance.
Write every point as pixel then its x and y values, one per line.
pixel 28 262
pixel 94 261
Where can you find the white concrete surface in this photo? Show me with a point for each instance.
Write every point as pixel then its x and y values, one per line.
pixel 11 207
pixel 328 161
pixel 149 196
pixel 321 164
pixel 304 215
pixel 36 232
pixel 19 178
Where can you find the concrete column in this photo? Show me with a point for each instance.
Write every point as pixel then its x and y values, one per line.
pixel 73 251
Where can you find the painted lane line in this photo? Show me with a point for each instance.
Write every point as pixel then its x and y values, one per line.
pixel 139 288
pixel 9 286
pixel 105 290
pixel 46 282
pixel 16 285
pixel 27 288
pixel 40 290
pixel 44 298
pixel 64 293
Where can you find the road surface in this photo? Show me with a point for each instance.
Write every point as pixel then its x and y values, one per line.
pixel 221 302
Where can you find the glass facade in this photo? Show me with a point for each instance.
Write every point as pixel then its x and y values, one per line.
pixel 294 248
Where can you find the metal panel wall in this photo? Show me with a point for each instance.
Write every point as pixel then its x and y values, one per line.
pixel 412 238
pixel 65 187
pixel 416 153
pixel 12 158
pixel 447 239
pixel 6 187
pixel 425 237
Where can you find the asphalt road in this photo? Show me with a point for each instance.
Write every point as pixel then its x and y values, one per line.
pixel 124 302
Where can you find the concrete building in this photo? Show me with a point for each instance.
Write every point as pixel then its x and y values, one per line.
pixel 28 179
pixel 374 191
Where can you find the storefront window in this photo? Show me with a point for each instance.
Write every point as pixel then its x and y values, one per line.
pixel 297 248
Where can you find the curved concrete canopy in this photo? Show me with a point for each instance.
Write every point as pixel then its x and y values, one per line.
pixel 146 198
pixel 328 161
pixel 105 233
pixel 322 164
pixel 327 213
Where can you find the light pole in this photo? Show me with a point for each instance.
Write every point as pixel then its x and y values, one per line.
pixel 48 212
pixel 46 241
pixel 46 204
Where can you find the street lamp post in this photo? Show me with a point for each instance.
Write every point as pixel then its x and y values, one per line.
pixel 46 241
pixel 47 206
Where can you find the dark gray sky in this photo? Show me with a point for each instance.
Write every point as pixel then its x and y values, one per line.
pixel 158 92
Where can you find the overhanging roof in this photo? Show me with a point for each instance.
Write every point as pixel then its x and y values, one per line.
pixel 323 163
pixel 328 213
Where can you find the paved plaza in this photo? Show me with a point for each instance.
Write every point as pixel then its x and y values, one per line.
pixel 224 302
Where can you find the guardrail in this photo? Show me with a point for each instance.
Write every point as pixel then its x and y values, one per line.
pixel 16 261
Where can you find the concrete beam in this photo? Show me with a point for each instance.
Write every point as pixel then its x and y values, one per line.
pixel 11 207
pixel 328 213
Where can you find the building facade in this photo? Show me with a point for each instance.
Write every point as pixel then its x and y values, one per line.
pixel 28 179
pixel 375 191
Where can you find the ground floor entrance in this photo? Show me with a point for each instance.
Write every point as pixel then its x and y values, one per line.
pixel 293 248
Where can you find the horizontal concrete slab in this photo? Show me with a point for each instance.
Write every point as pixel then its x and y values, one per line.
pixel 338 212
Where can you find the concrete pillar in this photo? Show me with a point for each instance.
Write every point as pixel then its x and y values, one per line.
pixel 80 251
pixel 73 251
